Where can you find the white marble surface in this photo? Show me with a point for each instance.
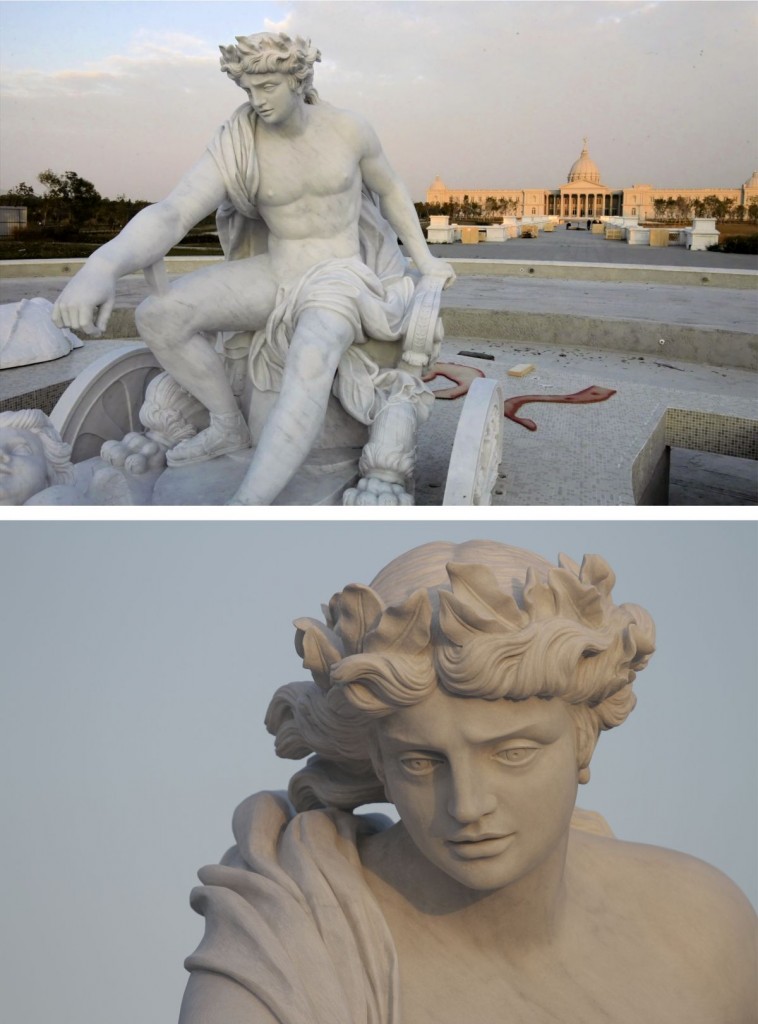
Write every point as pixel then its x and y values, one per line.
pixel 28 335
pixel 286 174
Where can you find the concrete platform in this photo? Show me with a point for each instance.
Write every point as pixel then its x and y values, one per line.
pixel 583 247
pixel 696 391
pixel 609 453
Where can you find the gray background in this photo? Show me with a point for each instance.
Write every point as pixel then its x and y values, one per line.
pixel 137 662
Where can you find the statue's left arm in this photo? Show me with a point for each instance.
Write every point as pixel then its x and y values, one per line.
pixel 396 204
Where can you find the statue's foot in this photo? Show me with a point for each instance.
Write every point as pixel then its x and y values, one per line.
pixel 228 433
pixel 373 491
pixel 134 453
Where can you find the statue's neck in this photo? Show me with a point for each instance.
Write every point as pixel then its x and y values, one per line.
pixel 527 913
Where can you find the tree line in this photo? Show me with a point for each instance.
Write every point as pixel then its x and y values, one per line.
pixel 470 210
pixel 68 202
pixel 681 209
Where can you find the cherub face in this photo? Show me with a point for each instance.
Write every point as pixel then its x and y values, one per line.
pixel 271 95
pixel 485 789
pixel 23 468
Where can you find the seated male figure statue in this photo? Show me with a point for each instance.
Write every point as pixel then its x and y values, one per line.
pixel 300 171
pixel 467 685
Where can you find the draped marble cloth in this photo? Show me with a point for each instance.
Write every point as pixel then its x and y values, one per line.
pixel 289 916
pixel 373 293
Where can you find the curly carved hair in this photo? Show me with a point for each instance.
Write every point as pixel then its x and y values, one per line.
pixel 478 620
pixel 268 52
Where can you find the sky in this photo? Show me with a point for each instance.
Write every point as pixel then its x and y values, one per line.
pixel 138 659
pixel 486 95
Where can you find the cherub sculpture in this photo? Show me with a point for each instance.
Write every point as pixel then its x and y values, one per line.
pixel 309 212
pixel 468 686
pixel 32 457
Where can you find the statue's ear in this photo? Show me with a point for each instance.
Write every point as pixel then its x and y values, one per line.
pixel 586 737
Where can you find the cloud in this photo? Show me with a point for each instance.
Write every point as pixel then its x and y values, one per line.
pixel 488 95
pixel 285 25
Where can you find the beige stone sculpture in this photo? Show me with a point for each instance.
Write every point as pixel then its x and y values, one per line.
pixel 309 212
pixel 467 685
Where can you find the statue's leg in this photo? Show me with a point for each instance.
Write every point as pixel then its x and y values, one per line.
pixel 318 343
pixel 388 460
pixel 238 295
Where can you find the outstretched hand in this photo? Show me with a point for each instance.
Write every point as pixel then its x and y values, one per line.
pixel 86 303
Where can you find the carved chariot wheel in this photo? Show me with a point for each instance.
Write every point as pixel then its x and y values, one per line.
pixel 103 402
pixel 477 447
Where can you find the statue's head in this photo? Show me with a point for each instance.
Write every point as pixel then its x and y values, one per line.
pixel 32 456
pixel 476 629
pixel 273 53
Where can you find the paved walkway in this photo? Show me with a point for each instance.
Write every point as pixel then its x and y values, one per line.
pixel 580 455
pixel 584 247
pixel 594 454
pixel 723 308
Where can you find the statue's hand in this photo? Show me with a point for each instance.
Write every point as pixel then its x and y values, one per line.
pixel 434 267
pixel 89 292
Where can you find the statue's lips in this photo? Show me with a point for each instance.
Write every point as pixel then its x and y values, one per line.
pixel 488 845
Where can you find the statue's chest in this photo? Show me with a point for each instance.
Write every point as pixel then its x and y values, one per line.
pixel 442 989
pixel 316 165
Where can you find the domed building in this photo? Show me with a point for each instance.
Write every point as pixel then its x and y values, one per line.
pixel 584 169
pixel 584 196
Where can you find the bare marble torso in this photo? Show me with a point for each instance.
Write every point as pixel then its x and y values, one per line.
pixel 311 204
pixel 640 936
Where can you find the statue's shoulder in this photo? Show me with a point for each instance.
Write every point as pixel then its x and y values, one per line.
pixel 686 908
pixel 347 122
pixel 666 877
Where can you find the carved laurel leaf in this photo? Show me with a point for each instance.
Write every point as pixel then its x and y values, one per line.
pixel 359 610
pixel 595 570
pixel 538 598
pixel 477 587
pixel 406 627
pixel 460 623
pixel 568 563
pixel 576 600
pixel 319 648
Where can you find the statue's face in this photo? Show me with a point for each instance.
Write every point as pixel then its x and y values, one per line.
pixel 485 789
pixel 271 96
pixel 23 468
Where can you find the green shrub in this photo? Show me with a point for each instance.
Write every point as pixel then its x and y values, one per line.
pixel 745 244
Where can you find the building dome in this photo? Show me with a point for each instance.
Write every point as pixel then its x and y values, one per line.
pixel 438 185
pixel 752 182
pixel 584 169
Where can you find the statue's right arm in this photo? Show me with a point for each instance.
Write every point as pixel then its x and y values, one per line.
pixel 144 240
pixel 214 999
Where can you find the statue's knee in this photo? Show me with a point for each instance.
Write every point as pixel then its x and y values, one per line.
pixel 318 345
pixel 148 318
pixel 312 359
pixel 160 320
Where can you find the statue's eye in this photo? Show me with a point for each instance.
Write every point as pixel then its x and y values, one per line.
pixel 22 448
pixel 418 765
pixel 517 755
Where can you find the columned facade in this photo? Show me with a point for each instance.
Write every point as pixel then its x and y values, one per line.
pixel 583 196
